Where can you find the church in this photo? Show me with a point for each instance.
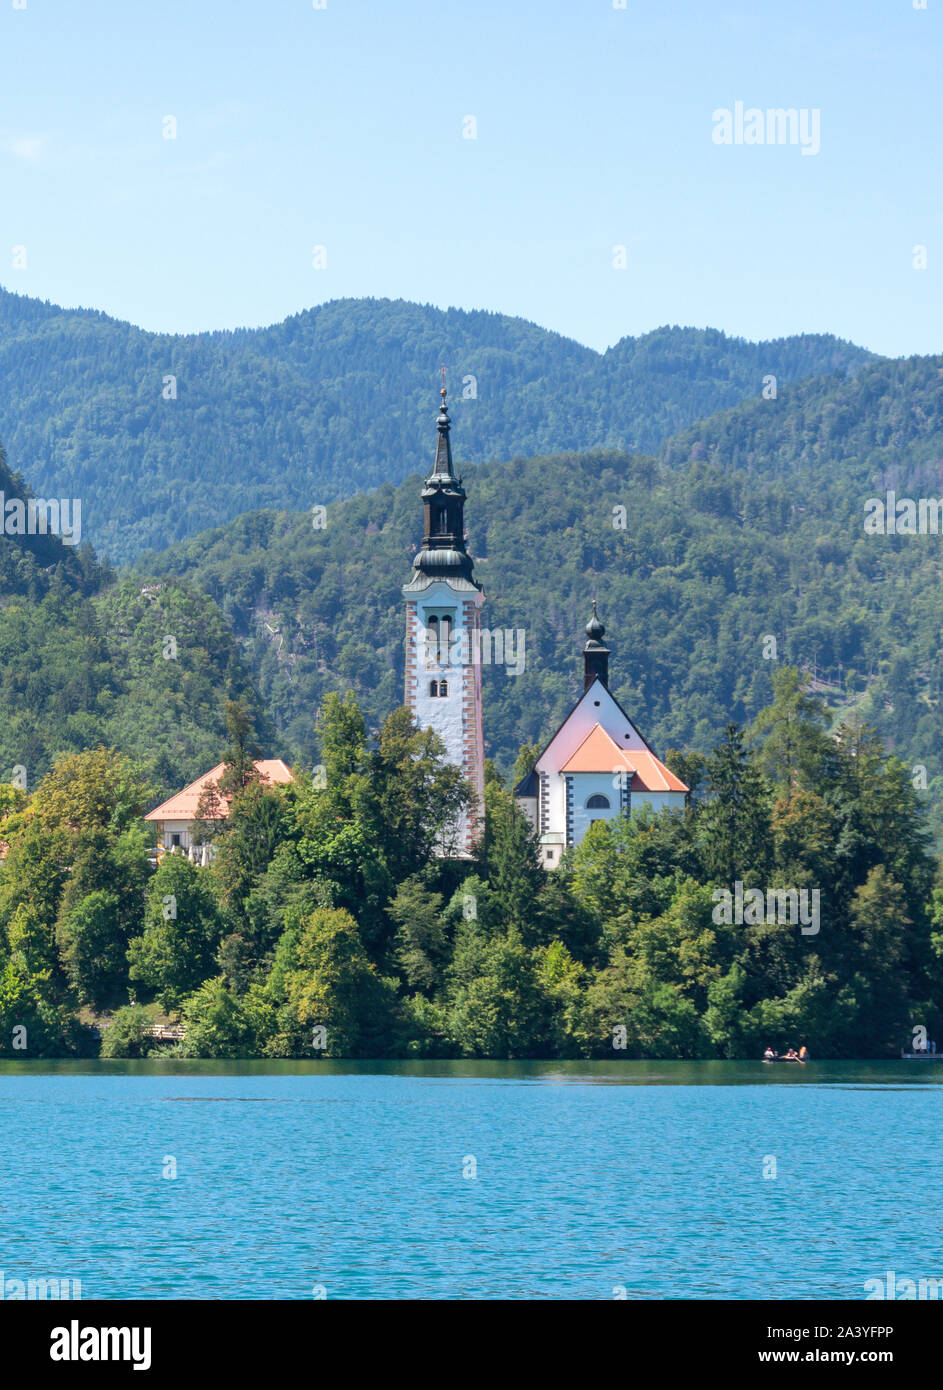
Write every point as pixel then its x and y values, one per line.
pixel 596 766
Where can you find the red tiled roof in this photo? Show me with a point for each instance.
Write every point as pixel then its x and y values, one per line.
pixel 599 752
pixel 183 805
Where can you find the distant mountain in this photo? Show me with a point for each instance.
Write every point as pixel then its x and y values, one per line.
pixel 336 400
pixel 749 525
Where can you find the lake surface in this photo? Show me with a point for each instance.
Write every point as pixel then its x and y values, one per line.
pixel 349 1178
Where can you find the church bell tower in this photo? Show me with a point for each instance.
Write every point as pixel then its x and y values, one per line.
pixel 443 633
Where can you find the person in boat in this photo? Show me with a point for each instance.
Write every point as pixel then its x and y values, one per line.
pixel 791 1056
pixel 769 1055
pixel 803 1053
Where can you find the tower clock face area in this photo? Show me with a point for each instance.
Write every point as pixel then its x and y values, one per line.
pixel 442 655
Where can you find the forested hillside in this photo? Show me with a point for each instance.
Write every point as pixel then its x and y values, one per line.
pixel 162 436
pixel 750 526
pixel 86 660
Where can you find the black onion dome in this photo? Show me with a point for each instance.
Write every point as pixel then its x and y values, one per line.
pixel 443 553
pixel 594 628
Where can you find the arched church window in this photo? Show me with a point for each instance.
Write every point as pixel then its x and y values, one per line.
pixel 598 803
pixel 432 641
pixel 433 687
pixel 439 522
pixel 443 687
pixel 446 637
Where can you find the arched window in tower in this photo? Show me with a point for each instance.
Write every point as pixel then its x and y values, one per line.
pixel 432 641
pixel 439 521
pixel 433 688
pixel 598 803
pixel 443 687
pixel 445 638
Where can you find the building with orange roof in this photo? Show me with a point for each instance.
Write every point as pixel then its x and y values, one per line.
pixel 175 817
pixel 597 766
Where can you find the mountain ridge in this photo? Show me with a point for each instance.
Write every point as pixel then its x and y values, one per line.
pixel 163 435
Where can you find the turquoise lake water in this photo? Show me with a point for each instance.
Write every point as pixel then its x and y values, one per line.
pixel 591 1177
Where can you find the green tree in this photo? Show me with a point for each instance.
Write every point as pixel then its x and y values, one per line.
pixel 795 751
pixel 101 907
pixel 126 1035
pixel 257 824
pixel 28 1003
pixel 242 752
pixel 182 931
pixel 94 948
pixel 216 1023
pixel 733 826
pixel 497 1007
pixel 418 795
pixel 326 981
pixel 421 944
pixel 510 859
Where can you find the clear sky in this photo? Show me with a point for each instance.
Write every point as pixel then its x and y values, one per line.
pixel 343 127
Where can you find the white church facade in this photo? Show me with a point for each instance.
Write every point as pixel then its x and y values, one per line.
pixel 597 766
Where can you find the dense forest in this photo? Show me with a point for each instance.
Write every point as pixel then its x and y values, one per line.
pixel 325 925
pixel 162 436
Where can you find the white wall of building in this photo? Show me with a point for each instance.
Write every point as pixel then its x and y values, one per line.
pixel 173 832
pixel 455 717
pixel 585 785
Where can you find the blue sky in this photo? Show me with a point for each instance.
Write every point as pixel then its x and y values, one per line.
pixel 343 127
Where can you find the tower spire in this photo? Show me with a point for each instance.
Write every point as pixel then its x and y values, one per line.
pixel 444 551
pixel 442 467
pixel 595 653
